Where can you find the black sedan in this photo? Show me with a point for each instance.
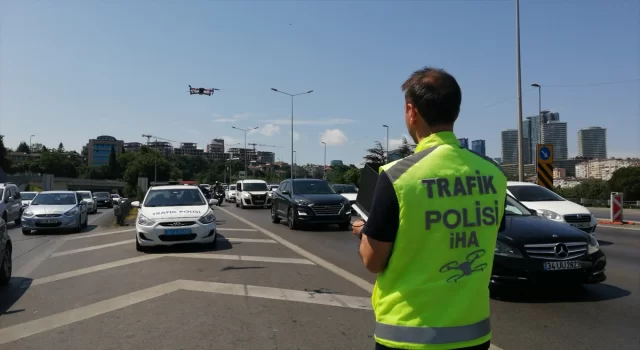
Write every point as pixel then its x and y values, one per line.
pixel 103 199
pixel 310 201
pixel 533 250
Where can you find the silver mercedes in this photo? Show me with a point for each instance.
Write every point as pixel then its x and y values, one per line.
pixel 55 210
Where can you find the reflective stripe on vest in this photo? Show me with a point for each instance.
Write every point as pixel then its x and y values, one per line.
pixel 433 335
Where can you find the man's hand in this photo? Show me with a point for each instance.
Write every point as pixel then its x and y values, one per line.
pixel 356 228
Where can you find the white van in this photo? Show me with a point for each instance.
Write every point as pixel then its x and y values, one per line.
pixel 252 194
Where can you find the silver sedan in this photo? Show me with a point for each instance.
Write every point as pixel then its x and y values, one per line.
pixel 55 210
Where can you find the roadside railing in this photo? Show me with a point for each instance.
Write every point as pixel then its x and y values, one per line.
pixel 121 210
pixel 604 203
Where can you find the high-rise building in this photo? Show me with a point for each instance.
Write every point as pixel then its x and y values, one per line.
pixel 555 134
pixel 592 142
pixel 531 130
pixel 478 146
pixel 188 149
pixel 215 149
pixel 464 143
pixel 132 146
pixel 509 145
pixel 99 149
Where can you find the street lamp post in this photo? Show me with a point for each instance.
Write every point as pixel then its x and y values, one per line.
pixel 292 96
pixel 387 127
pixel 519 88
pixel 245 147
pixel 324 168
pixel 539 111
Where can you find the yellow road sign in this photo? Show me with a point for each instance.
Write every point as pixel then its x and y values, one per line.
pixel 544 166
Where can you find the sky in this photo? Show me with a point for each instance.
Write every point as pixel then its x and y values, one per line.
pixel 74 70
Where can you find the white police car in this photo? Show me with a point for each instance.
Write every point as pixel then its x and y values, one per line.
pixel 171 215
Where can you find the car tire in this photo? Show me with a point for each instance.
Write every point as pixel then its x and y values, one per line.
pixel 344 226
pixel 237 205
pixel 242 205
pixel 6 267
pixel 79 228
pixel 18 219
pixel 140 248
pixel 274 215
pixel 291 219
pixel 86 222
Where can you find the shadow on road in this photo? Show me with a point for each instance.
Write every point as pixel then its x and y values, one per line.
pixel 580 294
pixel 89 228
pixel 10 294
pixel 229 268
pixel 221 245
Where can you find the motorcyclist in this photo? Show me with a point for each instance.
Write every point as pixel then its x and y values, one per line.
pixel 217 187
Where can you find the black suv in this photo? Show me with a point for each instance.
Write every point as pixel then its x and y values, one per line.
pixel 310 201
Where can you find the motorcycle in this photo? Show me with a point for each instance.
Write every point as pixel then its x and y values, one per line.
pixel 220 197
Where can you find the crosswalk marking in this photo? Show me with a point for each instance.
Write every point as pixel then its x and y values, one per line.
pixel 95 247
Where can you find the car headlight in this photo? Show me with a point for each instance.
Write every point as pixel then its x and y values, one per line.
pixel 551 215
pixel 246 194
pixel 208 217
pixel 27 214
pixel 302 202
pixel 594 246
pixel 74 211
pixel 506 250
pixel 144 221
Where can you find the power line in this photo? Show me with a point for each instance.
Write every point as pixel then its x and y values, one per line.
pixel 593 84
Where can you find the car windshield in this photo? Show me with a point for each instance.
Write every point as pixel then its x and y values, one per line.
pixel 513 207
pixel 25 195
pixel 232 187
pixel 174 198
pixel 254 186
pixel 102 195
pixel 54 199
pixel 85 194
pixel 312 187
pixel 530 193
pixel 346 188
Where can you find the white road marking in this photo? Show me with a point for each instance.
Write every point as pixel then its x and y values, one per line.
pixel 48 323
pixel 95 247
pixel 235 229
pixel 101 267
pixel 27 269
pixel 247 240
pixel 493 347
pixel 360 282
pixel 100 234
pixel 620 227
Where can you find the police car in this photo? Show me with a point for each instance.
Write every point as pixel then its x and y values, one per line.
pixel 173 214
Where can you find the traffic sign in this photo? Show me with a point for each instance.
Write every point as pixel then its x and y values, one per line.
pixel 616 207
pixel 544 165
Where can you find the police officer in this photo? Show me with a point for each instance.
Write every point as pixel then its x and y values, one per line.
pixel 432 229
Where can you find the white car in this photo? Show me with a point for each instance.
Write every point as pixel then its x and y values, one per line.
pixel 174 214
pixel 252 194
pixel 349 192
pixel 26 198
pixel 87 196
pixel 552 206
pixel 230 193
pixel 116 198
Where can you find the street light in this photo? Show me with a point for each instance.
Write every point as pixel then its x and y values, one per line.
pixel 324 172
pixel 292 96
pixel 245 147
pixel 519 88
pixel 539 111
pixel 387 127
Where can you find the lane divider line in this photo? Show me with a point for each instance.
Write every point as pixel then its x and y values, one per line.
pixel 360 282
pixel 133 230
pixel 95 247
pixel 44 324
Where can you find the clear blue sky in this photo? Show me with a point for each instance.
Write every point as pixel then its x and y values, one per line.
pixel 74 70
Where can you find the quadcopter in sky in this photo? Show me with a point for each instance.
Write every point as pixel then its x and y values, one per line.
pixel 201 91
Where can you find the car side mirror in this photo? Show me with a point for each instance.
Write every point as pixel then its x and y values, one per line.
pixel 533 212
pixel 94 197
pixel 213 201
pixel 285 192
pixel 135 204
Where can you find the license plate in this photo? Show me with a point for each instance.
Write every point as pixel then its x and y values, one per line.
pixel 48 221
pixel 584 225
pixel 177 232
pixel 562 265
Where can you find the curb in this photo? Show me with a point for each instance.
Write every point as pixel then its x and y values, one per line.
pixel 609 222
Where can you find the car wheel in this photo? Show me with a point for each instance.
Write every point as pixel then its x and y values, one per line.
pixel 242 205
pixel 18 219
pixel 140 248
pixel 5 268
pixel 274 215
pixel 86 221
pixel 291 219
pixel 237 204
pixel 344 226
pixel 79 228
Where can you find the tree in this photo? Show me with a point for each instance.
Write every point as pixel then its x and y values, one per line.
pixel 23 148
pixel 405 148
pixel 60 147
pixel 58 163
pixel 113 170
pixel 376 155
pixel 627 181
pixel 352 176
pixel 5 163
pixel 38 148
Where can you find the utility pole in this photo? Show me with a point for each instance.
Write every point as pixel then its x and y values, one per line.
pixel 387 157
pixel 324 168
pixel 245 147
pixel 292 96
pixel 519 88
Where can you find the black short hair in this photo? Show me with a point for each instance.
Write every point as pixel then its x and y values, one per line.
pixel 435 94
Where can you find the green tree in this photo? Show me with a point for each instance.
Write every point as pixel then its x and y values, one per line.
pixel 23 147
pixel 375 155
pixel 149 163
pixel 352 176
pixel 405 148
pixel 60 147
pixel 5 163
pixel 38 148
pixel 57 163
pixel 627 181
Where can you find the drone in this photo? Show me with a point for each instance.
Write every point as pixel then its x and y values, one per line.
pixel 466 267
pixel 201 91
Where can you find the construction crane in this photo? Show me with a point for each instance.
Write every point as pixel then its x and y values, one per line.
pixel 149 137
pixel 261 145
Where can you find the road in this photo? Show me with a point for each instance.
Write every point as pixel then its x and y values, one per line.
pixel 266 287
pixel 605 213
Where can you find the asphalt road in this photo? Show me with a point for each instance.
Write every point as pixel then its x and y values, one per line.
pixel 267 287
pixel 627 214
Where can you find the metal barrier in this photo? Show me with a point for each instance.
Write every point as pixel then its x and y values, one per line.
pixel 121 210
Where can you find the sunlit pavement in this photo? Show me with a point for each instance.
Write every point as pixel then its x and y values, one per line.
pixel 267 287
